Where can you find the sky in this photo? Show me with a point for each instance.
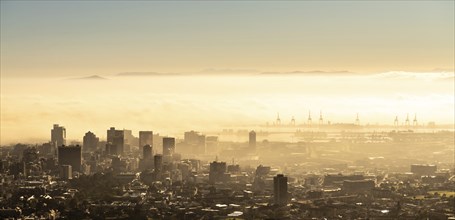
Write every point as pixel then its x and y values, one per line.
pixel 55 38
pixel 221 64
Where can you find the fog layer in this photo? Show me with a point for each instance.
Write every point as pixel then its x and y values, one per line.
pixel 175 103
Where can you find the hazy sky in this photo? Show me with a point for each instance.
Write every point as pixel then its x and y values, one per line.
pixel 67 38
pixel 406 47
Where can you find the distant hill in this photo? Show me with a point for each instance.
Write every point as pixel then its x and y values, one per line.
pixel 94 77
pixel 313 72
pixel 145 74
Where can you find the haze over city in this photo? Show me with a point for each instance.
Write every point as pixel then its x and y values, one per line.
pixel 174 104
pixel 215 64
pixel 227 110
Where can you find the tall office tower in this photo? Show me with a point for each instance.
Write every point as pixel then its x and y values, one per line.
pixel 157 143
pixel 111 134
pixel 46 149
pixel 147 157
pixel 90 143
pixel 217 172
pixel 129 141
pixel 195 141
pixel 145 137
pixel 70 155
pixel 147 152
pixel 252 140
pixel 58 135
pixel 280 189
pixel 211 144
pixel 168 146
pixel 158 162
pixel 66 172
pixel 116 141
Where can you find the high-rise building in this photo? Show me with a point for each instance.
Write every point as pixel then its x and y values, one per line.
pixel 90 142
pixel 211 144
pixel 147 152
pixel 66 172
pixel 118 165
pixel 157 143
pixel 147 157
pixel 158 162
pixel 217 172
pixel 115 141
pixel 110 134
pixel 252 140
pixel 280 189
pixel 58 135
pixel 129 141
pixel 145 137
pixel 70 155
pixel 46 149
pixel 168 146
pixel 195 141
pixel 29 159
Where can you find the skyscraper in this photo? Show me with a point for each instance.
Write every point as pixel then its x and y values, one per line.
pixel 217 171
pixel 147 157
pixel 280 189
pixel 145 137
pixel 147 152
pixel 70 155
pixel 66 172
pixel 90 143
pixel 58 135
pixel 115 141
pixel 168 146
pixel 195 141
pixel 128 140
pixel 158 163
pixel 211 144
pixel 252 140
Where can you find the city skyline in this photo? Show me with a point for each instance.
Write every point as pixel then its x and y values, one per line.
pixel 351 172
pixel 227 109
